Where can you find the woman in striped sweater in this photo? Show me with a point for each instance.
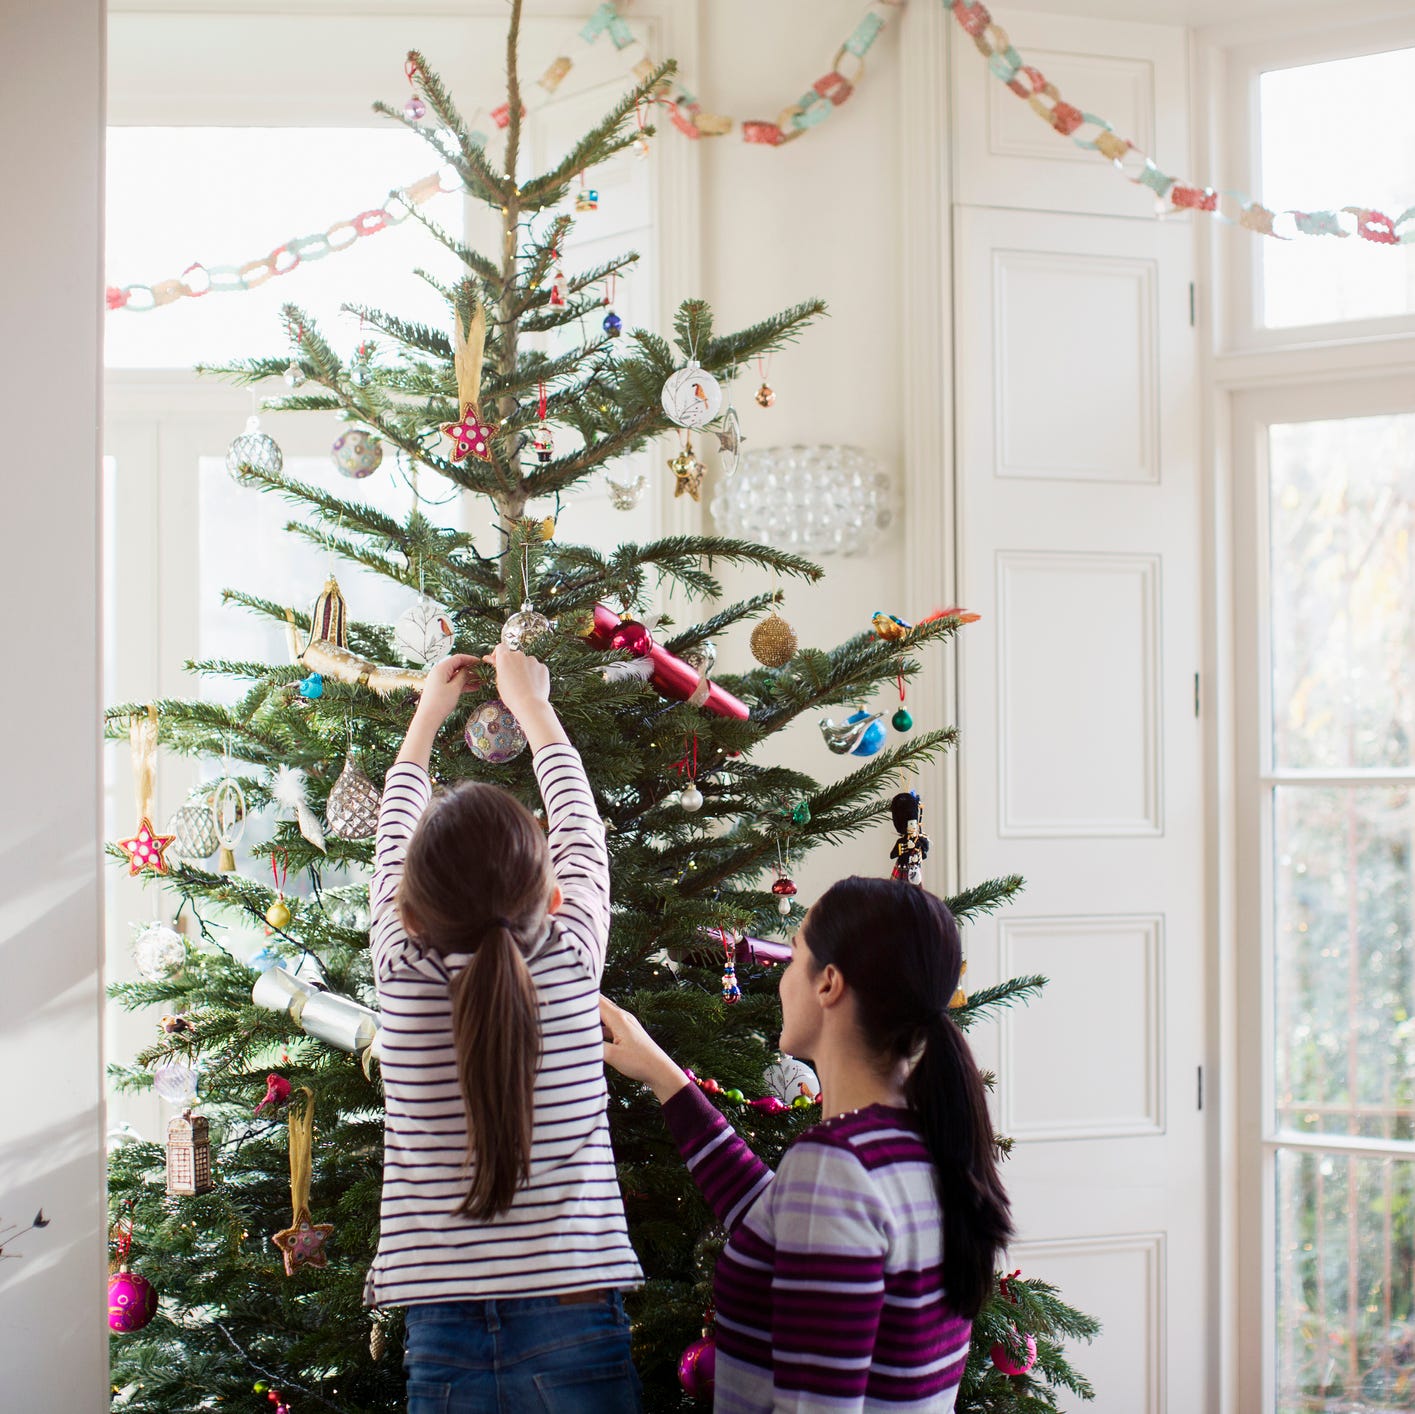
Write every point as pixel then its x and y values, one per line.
pixel 502 1230
pixel 851 1276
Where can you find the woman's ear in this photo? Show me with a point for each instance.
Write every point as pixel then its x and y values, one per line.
pixel 556 899
pixel 408 919
pixel 830 986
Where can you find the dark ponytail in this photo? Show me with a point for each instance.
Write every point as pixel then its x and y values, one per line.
pixel 477 880
pixel 898 950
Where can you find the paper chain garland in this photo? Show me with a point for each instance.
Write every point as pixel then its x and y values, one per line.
pixel 685 111
pixel 1031 85
pixel 813 107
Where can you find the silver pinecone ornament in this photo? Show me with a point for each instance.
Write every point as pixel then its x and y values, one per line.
pixel 352 809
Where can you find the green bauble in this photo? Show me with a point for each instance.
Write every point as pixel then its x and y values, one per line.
pixel 901 721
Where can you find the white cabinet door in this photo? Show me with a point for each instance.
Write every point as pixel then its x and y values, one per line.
pixel 1078 515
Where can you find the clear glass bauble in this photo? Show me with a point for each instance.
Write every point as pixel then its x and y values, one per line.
pixel 294 375
pixel 159 953
pixel 524 628
pixel 176 1081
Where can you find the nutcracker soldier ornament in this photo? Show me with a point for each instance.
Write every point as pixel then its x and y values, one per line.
pixel 912 847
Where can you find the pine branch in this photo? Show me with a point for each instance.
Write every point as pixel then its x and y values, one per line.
pixel 597 146
pixel 986 897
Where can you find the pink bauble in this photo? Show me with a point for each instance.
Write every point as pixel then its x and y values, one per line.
pixel 697 1366
pixel 1009 1364
pixel 132 1302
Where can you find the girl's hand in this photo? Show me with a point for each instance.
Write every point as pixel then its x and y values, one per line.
pixel 446 682
pixel 634 1053
pixel 522 682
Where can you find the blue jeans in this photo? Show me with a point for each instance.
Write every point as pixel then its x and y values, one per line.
pixel 521 1355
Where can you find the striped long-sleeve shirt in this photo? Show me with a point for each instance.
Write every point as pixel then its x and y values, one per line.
pixel 565 1229
pixel 829 1292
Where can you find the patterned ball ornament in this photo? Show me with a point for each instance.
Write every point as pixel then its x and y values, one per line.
pixel 253 450
pixel 773 641
pixel 493 734
pixel 357 453
pixel 132 1301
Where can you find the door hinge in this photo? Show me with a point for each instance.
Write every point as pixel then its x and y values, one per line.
pixel 1196 694
pixel 1201 1087
pixel 1193 302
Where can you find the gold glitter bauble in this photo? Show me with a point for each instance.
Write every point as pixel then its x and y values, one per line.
pixel 773 641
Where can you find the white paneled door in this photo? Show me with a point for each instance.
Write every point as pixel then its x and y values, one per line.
pixel 1078 518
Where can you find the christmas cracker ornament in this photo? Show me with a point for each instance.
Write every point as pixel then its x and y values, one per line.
pixel 669 674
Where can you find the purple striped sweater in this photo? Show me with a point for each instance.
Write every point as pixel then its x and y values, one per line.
pixel 565 1229
pixel 829 1291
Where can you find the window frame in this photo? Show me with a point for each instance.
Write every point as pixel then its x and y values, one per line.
pixel 1239 170
pixel 1256 776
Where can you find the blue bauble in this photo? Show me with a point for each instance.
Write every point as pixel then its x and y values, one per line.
pixel 312 686
pixel 263 960
pixel 873 738
pixel 613 324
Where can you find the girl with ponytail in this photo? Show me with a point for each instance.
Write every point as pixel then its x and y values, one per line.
pixel 502 1230
pixel 851 1275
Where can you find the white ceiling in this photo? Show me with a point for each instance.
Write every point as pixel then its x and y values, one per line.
pixel 1210 12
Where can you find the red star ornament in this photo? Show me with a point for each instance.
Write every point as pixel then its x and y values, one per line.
pixel 146 849
pixel 471 436
pixel 303 1243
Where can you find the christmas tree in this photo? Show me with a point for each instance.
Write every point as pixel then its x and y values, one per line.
pixel 698 817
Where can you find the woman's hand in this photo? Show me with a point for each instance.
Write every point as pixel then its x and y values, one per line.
pixel 634 1053
pixel 446 682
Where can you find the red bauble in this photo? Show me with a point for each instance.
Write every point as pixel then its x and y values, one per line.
pixel 132 1301
pixel 697 1367
pixel 632 637
pixel 1009 1363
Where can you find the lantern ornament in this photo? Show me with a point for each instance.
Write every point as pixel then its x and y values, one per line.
pixel 188 1155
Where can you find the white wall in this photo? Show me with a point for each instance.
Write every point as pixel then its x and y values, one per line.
pixel 53 1336
pixel 817 217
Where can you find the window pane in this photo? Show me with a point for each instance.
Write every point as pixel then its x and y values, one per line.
pixel 1345 1257
pixel 1333 135
pixel 228 195
pixel 1343 592
pixel 245 545
pixel 1343 961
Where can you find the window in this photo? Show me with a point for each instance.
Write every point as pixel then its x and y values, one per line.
pixel 1332 792
pixel 224 196
pixel 1319 121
